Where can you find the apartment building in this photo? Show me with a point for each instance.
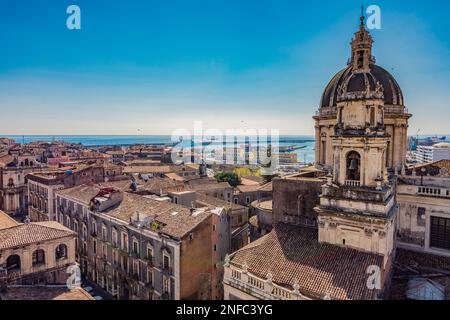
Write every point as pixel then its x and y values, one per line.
pixel 42 186
pixel 141 247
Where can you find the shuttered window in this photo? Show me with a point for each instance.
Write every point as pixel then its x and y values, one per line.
pixel 440 233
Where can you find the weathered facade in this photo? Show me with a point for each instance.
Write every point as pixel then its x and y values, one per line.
pixel 140 248
pixel 35 253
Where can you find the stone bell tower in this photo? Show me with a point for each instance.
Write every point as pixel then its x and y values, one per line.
pixel 358 204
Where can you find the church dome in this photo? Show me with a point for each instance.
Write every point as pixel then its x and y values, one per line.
pixel 362 79
pixel 349 83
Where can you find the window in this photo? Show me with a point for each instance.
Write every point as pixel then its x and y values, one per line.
pixel 372 116
pixel 149 276
pixel 149 252
pixel 135 247
pixel 236 200
pixel 215 247
pixel 166 285
pixel 84 231
pixel 94 227
pixel 360 59
pixel 115 257
pixel 61 252
pixel 247 199
pixel 125 241
pixel 94 246
pixel 38 257
pixel 136 268
pixel 13 263
pixel 114 237
pixel 104 232
pixel 440 233
pixel 166 261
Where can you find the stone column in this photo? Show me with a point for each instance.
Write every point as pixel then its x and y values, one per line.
pixel 317 143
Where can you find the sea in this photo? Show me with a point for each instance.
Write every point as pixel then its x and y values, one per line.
pixel 304 155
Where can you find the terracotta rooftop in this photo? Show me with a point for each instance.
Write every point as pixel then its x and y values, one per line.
pixel 44 293
pixel 84 193
pixel 247 188
pixel 175 220
pixel 6 221
pixel 439 164
pixel 209 186
pixel 156 184
pixel 146 169
pixel 216 202
pixel 25 234
pixel 293 255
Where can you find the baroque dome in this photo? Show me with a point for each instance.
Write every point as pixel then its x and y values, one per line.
pixel 347 83
pixel 362 79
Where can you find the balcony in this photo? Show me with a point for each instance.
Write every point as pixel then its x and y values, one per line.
pixel 167 270
pixel 353 183
pixel 14 274
pixel 149 260
pixel 263 289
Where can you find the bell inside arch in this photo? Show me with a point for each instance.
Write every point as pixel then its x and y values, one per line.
pixel 353 164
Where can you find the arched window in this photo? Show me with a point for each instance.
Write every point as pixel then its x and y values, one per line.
pixel 27 162
pixel 38 257
pixel 61 252
pixel 353 166
pixel 10 182
pixel 13 263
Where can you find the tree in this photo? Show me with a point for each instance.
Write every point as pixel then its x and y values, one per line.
pixel 232 178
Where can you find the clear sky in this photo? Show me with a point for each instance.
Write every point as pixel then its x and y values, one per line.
pixel 158 65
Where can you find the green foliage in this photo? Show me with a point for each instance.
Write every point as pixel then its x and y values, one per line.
pixel 268 178
pixel 232 178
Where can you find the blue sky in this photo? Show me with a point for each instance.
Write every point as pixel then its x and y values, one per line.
pixel 159 65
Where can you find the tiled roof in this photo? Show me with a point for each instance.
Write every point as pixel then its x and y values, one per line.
pixel 439 163
pixel 176 225
pixel 247 188
pixel 6 221
pixel 177 220
pixel 210 186
pixel 216 202
pixel 157 184
pixel 6 159
pixel 294 255
pixel 25 234
pixel 44 293
pixel 84 193
pixel 146 169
